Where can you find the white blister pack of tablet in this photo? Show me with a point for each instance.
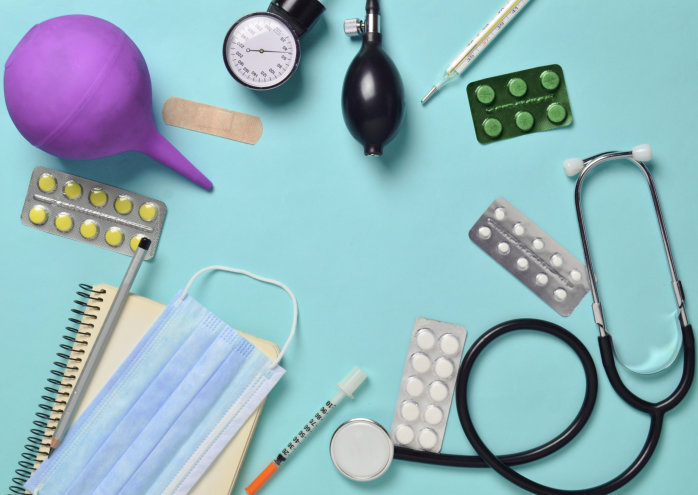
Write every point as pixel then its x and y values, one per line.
pixel 427 385
pixel 532 256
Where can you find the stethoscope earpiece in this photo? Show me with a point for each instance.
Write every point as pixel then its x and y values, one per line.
pixel 573 166
pixel 640 153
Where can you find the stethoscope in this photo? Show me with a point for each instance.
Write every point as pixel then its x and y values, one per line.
pixel 655 410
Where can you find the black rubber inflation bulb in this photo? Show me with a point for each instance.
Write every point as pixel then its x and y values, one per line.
pixel 372 96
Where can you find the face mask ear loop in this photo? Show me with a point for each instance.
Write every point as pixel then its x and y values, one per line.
pixel 260 279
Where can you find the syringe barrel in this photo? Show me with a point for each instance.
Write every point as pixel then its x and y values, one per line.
pixel 307 429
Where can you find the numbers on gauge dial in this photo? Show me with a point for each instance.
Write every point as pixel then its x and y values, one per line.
pixel 262 51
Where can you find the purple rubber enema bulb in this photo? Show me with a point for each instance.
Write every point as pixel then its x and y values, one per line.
pixel 77 87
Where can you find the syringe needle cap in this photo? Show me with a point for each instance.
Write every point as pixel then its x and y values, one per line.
pixel 352 381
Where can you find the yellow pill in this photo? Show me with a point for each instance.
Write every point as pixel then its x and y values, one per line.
pixel 123 204
pixel 38 215
pixel 89 229
pixel 114 237
pixel 47 183
pixel 148 211
pixel 72 190
pixel 64 222
pixel 98 197
pixel 135 241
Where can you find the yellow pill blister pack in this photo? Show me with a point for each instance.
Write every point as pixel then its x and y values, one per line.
pixel 92 212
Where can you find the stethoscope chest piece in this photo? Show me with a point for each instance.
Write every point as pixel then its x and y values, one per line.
pixel 361 449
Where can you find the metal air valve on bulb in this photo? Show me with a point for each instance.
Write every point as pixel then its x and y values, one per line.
pixel 372 96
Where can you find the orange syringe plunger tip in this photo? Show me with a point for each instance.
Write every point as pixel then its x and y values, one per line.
pixel 262 478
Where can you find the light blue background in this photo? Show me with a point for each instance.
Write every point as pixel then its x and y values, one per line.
pixel 368 245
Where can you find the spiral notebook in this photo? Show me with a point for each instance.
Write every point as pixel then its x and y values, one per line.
pixel 136 318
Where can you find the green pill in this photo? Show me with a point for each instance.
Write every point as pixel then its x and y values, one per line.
pixel 519 103
pixel 484 94
pixel 517 87
pixel 492 127
pixel 556 113
pixel 524 121
pixel 550 80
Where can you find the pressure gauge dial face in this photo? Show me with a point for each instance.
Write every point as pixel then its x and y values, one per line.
pixel 261 51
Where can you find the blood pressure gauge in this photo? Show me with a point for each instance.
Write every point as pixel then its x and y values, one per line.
pixel 261 50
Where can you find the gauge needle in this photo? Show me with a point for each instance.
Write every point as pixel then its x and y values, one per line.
pixel 262 50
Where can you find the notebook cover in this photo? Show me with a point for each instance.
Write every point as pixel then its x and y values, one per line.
pixel 137 316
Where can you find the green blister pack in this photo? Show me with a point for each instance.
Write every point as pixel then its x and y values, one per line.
pixel 519 103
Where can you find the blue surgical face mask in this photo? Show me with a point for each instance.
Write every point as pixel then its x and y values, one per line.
pixel 170 408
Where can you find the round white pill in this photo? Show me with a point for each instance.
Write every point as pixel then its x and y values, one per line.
pixel 409 410
pixel 420 362
pixel 538 243
pixel 499 213
pixel 556 260
pixel 519 229
pixel 449 344
pixel 503 248
pixel 541 279
pixel 414 386
pixel 576 275
pixel 484 232
pixel 560 294
pixel 522 264
pixel 404 434
pixel 443 367
pixel 425 339
pixel 428 438
pixel 433 415
pixel 438 391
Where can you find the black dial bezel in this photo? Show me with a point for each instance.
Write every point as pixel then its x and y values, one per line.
pixel 295 40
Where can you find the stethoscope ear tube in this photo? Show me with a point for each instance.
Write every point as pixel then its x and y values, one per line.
pixel 671 401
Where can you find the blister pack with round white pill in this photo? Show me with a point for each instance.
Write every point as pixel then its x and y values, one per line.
pixel 532 256
pixel 427 385
pixel 92 212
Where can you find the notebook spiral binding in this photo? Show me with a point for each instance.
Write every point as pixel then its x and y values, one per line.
pixel 60 382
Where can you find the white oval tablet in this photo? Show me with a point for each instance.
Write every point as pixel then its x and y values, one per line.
pixel 484 232
pixel 443 367
pixel 425 339
pixel 438 391
pixel 420 362
pixel 433 415
pixel 519 229
pixel 404 434
pixel 560 294
pixel 409 410
pixel 522 264
pixel 575 275
pixel 556 260
pixel 538 243
pixel 361 449
pixel 541 279
pixel 449 344
pixel 414 386
pixel 428 438
pixel 499 213
pixel 503 248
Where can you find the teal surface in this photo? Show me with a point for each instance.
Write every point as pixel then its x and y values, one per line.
pixel 368 245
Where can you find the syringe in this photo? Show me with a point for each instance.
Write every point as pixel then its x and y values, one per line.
pixel 347 387
pixel 471 51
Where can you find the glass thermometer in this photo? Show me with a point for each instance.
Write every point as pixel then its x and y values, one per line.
pixel 476 46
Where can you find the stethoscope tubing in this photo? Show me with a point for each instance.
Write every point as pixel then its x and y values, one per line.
pixel 502 464
pixel 655 410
